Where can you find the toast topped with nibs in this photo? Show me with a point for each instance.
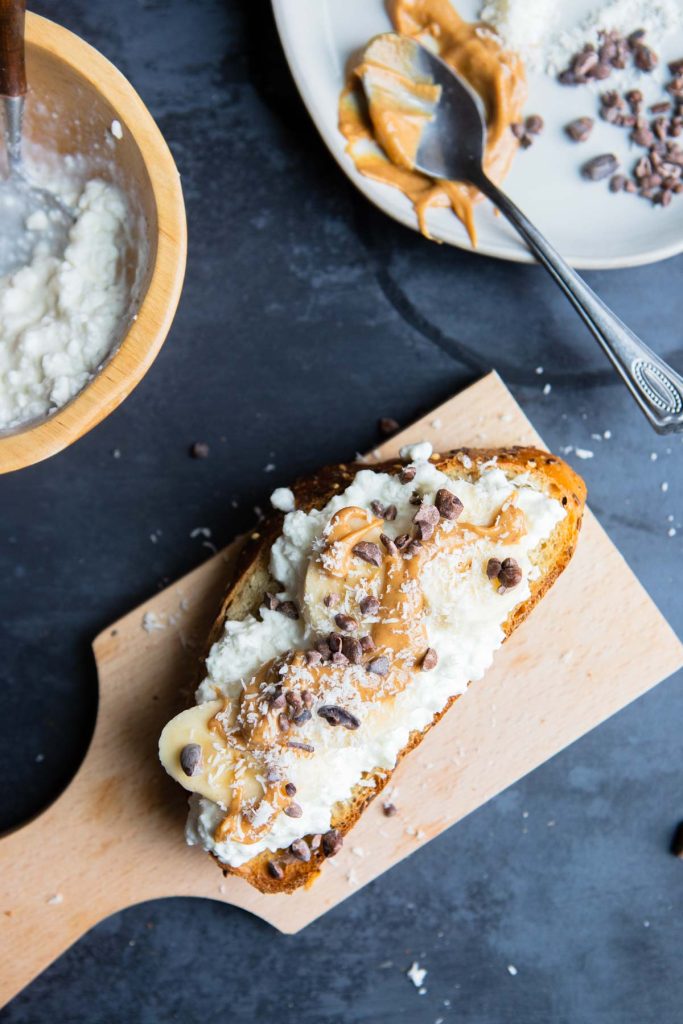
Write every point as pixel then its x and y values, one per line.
pixel 354 621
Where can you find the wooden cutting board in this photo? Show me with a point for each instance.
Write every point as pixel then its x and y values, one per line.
pixel 115 837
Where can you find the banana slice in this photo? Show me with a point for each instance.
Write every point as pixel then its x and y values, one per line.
pixel 196 756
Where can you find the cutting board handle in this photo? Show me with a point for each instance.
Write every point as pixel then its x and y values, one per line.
pixel 47 890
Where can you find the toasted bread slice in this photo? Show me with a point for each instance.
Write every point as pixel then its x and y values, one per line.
pixel 252 579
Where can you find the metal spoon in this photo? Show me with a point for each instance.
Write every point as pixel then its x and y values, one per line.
pixel 29 215
pixel 451 146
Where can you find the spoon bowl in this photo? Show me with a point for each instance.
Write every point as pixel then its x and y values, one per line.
pixel 398 71
pixel 453 141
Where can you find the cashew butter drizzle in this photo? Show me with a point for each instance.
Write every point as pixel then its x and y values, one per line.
pixel 475 52
pixel 243 740
pixel 400 634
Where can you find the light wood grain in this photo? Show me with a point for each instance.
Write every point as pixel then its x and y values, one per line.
pixel 80 93
pixel 115 837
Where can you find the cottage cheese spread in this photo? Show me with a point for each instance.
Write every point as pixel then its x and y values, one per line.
pixel 59 315
pixel 463 615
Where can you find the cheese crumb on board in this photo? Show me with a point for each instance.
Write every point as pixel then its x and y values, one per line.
pixel 151 623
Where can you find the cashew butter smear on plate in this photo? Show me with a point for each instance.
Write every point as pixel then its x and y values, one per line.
pixel 380 136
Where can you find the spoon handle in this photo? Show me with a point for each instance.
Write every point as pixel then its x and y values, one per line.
pixel 656 387
pixel 13 74
pixel 12 66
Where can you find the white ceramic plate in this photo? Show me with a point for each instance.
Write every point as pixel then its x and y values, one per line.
pixel 590 226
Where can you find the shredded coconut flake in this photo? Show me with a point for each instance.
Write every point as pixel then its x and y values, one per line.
pixel 547 34
pixel 200 531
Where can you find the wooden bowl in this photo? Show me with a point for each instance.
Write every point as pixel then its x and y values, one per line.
pixel 74 96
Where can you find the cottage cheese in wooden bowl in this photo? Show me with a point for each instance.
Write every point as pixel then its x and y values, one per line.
pixel 79 327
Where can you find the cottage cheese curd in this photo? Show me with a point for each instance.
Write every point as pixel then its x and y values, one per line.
pixel 59 314
pixel 464 615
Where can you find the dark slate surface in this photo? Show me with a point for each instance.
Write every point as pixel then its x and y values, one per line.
pixel 305 316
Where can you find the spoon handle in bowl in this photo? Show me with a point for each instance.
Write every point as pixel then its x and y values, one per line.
pixel 12 65
pixel 13 74
pixel 656 387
